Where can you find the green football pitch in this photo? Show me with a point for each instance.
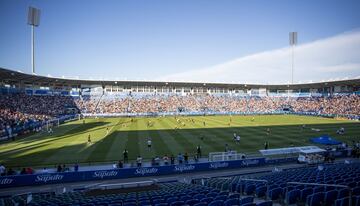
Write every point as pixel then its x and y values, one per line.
pixel 68 144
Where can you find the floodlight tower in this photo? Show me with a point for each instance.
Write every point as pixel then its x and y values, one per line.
pixel 33 21
pixel 293 42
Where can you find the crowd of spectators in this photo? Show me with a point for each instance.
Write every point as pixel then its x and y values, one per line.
pixel 19 110
pixel 336 105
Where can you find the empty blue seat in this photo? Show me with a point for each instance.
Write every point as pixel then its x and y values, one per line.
pixel 222 197
pixel 235 195
pixel 343 193
pixel 316 199
pixel 216 203
pixel 356 191
pixel 305 193
pixel 330 197
pixel 293 196
pixel 162 204
pixel 266 203
pixel 275 193
pixel 212 194
pixel 158 201
pixel 201 204
pixel 246 200
pixel 260 191
pixel 192 202
pixel 342 202
pixel 199 196
pixel 207 200
pixel 129 204
pixel 249 204
pixel 171 200
pixel 249 189
pixel 231 202
pixel 177 203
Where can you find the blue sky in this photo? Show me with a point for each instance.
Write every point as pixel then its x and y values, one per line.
pixel 153 39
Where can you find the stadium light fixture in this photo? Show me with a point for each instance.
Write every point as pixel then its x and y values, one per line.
pixel 292 42
pixel 33 21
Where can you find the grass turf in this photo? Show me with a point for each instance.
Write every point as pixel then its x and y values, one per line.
pixel 68 143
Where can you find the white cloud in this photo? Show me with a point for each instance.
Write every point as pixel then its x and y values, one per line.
pixel 331 58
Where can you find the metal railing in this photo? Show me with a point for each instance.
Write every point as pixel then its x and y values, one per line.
pixel 316 184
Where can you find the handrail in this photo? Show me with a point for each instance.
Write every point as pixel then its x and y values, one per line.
pixel 125 184
pixel 256 180
pixel 316 184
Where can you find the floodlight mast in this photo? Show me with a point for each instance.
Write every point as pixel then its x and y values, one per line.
pixel 293 42
pixel 33 21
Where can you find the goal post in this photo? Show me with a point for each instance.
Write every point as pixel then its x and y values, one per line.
pixel 225 156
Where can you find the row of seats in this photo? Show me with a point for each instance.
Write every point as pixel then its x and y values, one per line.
pixel 276 187
pixel 168 194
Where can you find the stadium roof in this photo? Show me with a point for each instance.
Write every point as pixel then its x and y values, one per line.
pixel 10 76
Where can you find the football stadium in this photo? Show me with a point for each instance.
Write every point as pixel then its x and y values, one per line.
pixel 193 138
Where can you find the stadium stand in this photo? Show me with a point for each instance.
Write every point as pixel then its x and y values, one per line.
pixel 337 182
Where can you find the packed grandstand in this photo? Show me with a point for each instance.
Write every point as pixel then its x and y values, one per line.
pixel 28 103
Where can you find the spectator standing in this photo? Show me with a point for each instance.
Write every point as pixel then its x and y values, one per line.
pixel 2 170
pixel 139 161
pixel 126 156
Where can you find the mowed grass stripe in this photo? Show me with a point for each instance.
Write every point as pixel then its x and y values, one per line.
pixel 144 136
pixel 171 146
pixel 103 145
pixel 118 146
pixel 132 145
pixel 180 137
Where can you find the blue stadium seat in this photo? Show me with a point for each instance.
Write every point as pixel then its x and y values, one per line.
pixel 234 195
pixel 260 191
pixel 266 203
pixel 356 191
pixel 162 204
pixel 201 204
pixel 249 204
pixel 249 189
pixel 207 200
pixel 199 196
pixel 316 199
pixel 177 203
pixel 171 200
pixel 246 200
pixel 216 203
pixel 192 202
pixel 293 196
pixel 330 197
pixel 275 193
pixel 231 202
pixel 222 197
pixel 212 194
pixel 343 193
pixel 158 201
pixel 342 202
pixel 305 193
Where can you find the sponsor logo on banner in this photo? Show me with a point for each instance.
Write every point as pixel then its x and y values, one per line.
pixel 144 171
pixel 250 162
pixel 6 181
pixel 47 178
pixel 181 168
pixel 103 174
pixel 218 165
